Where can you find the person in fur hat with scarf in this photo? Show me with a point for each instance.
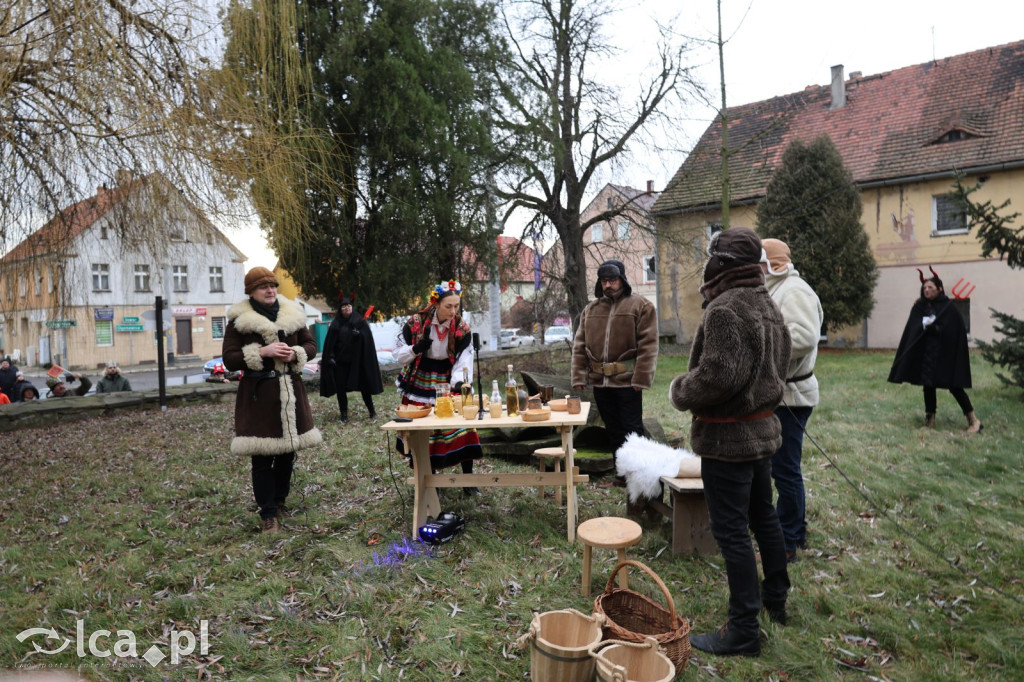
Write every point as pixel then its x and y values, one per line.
pixel 267 337
pixel 734 383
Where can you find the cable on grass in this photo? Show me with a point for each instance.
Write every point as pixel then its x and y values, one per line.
pixel 885 514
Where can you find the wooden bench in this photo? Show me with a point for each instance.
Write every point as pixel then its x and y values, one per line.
pixel 688 512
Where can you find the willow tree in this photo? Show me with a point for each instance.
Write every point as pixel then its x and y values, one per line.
pixel 90 90
pixel 560 123
pixel 393 123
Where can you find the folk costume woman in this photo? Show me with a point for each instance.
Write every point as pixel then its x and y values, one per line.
pixel 350 361
pixel 267 337
pixel 933 351
pixel 434 345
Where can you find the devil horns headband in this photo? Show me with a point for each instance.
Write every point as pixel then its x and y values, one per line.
pixel 920 274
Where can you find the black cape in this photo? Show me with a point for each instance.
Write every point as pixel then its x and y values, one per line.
pixel 349 360
pixel 937 356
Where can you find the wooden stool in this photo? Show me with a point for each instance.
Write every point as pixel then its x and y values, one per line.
pixel 557 454
pixel 609 532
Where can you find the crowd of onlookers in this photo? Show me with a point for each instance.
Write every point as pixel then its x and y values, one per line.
pixel 15 388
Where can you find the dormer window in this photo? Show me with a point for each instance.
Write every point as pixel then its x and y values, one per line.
pixel 954 135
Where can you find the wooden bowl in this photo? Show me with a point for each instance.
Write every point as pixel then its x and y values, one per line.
pixel 412 411
pixel 558 405
pixel 536 415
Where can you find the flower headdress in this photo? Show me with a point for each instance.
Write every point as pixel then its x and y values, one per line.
pixel 443 288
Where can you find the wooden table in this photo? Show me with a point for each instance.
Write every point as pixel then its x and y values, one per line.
pixel 425 483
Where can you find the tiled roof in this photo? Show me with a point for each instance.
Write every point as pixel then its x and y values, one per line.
pixel 70 223
pixel 889 129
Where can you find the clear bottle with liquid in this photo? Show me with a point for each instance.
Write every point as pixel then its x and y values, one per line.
pixel 466 388
pixel 511 395
pixel 496 396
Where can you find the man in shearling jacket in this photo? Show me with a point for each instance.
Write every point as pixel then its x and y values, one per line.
pixel 804 317
pixel 734 383
pixel 616 352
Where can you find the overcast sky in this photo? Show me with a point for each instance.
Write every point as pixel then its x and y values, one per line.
pixel 776 47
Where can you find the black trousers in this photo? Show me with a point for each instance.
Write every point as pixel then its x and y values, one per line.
pixel 622 411
pixel 343 402
pixel 271 481
pixel 930 400
pixel 739 497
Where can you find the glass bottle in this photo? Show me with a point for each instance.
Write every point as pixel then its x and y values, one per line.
pixel 511 395
pixel 467 388
pixel 496 396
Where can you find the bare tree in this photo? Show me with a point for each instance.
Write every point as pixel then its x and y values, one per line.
pixel 562 125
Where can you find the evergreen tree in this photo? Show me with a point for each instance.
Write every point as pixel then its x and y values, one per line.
pixel 399 88
pixel 996 234
pixel 812 204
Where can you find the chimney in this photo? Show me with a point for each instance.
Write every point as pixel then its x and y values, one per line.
pixel 838 88
pixel 650 186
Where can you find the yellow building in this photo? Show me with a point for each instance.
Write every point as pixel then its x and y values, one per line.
pixel 904 135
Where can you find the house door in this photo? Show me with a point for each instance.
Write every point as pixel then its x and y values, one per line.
pixel 44 350
pixel 183 332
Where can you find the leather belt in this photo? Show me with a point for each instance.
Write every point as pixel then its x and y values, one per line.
pixel 610 369
pixel 793 380
pixel 268 374
pixel 730 420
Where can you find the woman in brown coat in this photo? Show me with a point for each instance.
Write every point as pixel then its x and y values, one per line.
pixel 267 339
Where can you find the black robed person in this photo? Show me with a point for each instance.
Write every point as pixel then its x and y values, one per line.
pixel 350 361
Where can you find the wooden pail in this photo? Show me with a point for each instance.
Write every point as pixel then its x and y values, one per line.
pixel 560 644
pixel 625 661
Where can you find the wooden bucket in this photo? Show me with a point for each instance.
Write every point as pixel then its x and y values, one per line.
pixel 560 645
pixel 625 661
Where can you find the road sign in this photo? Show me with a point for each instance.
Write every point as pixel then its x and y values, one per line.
pixel 61 324
pixel 133 320
pixel 129 327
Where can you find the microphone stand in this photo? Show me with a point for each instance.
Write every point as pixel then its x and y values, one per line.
pixel 479 388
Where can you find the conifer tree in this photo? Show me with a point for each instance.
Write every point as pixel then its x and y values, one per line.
pixel 998 235
pixel 813 205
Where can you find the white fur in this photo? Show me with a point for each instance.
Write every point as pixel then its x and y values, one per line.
pixel 643 462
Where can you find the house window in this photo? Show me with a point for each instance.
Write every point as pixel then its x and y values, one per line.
pixel 650 275
pixel 176 231
pixel 22 286
pixel 597 233
pixel 180 274
pixel 103 232
pixel 38 282
pixel 104 332
pixel 623 231
pixel 51 277
pixel 948 217
pixel 217 324
pixel 608 204
pixel 142 278
pixel 100 277
pixel 8 288
pixel 209 238
pixel 216 279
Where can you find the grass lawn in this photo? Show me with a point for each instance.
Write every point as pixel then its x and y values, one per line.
pixel 145 523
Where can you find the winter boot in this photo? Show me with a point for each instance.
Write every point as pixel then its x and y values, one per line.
pixel 270 525
pixel 974 424
pixel 776 611
pixel 728 642
pixel 929 420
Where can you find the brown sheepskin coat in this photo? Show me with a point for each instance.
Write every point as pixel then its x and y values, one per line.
pixel 616 330
pixel 272 416
pixel 737 371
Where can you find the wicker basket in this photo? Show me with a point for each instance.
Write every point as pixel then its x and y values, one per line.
pixel 632 617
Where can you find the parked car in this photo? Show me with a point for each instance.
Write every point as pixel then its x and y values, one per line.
pixel 514 338
pixel 557 334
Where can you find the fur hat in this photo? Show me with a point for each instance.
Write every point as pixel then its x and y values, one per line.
pixel 732 248
pixel 611 268
pixel 257 277
pixel 778 253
